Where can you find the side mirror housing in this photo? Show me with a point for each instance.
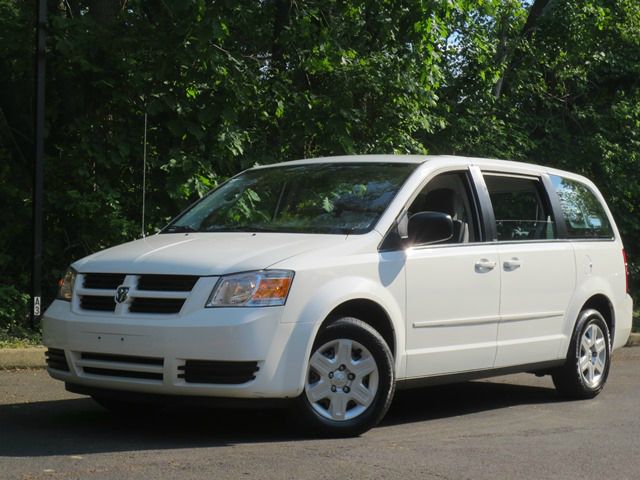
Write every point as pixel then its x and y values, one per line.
pixel 425 228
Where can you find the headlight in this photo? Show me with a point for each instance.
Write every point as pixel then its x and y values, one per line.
pixel 65 285
pixel 252 289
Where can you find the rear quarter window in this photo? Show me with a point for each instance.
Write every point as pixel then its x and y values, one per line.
pixel 584 215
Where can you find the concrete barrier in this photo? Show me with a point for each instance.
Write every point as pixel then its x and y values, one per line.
pixel 32 357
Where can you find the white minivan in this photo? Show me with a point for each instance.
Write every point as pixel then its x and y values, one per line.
pixel 328 283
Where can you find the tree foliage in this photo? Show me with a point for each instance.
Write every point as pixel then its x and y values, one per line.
pixel 228 84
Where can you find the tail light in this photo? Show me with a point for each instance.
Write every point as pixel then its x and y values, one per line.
pixel 626 268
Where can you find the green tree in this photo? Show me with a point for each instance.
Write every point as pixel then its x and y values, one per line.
pixel 228 84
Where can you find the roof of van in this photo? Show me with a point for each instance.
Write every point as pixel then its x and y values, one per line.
pixel 487 163
pixel 419 159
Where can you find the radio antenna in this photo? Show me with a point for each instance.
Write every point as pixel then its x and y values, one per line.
pixel 144 171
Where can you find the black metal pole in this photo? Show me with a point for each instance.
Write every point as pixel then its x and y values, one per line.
pixel 38 167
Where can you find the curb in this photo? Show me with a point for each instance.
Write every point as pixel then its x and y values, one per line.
pixel 32 357
pixel 634 340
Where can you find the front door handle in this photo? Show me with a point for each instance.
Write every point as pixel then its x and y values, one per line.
pixel 485 265
pixel 512 264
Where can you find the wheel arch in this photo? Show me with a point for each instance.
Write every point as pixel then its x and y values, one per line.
pixel 371 313
pixel 602 304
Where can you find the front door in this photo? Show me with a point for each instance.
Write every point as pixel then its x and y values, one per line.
pixel 452 309
pixel 452 288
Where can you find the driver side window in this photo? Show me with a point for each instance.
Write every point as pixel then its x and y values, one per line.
pixel 449 193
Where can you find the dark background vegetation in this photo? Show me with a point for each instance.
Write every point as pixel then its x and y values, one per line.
pixel 228 84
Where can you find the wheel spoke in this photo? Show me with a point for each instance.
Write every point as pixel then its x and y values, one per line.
pixel 343 355
pixel 360 394
pixel 363 367
pixel 318 391
pixel 600 345
pixel 586 346
pixel 338 407
pixel 585 361
pixel 593 335
pixel 322 365
pixel 591 373
pixel 599 365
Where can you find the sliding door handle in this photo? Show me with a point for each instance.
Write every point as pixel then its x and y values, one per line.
pixel 485 265
pixel 512 264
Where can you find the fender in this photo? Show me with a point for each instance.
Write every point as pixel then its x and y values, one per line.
pixel 587 289
pixel 340 290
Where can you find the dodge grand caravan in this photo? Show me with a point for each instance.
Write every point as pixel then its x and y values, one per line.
pixel 331 282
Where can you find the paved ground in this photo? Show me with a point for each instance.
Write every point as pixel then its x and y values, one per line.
pixel 512 427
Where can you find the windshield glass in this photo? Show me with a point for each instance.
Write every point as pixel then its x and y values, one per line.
pixel 312 198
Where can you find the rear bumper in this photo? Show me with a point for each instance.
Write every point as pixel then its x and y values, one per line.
pixel 148 355
pixel 624 321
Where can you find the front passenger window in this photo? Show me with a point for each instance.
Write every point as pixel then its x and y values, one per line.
pixel 449 193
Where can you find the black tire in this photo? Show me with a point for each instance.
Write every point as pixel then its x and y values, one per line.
pixel 570 380
pixel 127 409
pixel 350 329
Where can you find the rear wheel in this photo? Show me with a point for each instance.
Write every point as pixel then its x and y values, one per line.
pixel 350 380
pixel 588 360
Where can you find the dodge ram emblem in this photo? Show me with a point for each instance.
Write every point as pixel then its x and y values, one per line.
pixel 121 294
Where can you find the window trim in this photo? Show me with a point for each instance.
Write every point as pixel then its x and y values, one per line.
pixel 556 207
pixel 486 207
pixel 476 204
pixel 545 197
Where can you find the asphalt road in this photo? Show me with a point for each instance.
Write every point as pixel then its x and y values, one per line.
pixel 511 427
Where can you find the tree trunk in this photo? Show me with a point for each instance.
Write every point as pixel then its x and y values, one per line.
pixel 507 54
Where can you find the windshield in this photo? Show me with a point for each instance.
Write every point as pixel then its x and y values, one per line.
pixel 312 198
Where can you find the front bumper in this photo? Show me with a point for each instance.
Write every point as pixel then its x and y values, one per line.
pixel 148 355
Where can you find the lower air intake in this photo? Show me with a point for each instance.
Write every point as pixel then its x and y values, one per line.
pixel 215 372
pixel 56 359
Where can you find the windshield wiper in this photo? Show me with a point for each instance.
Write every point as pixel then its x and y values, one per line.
pixel 178 229
pixel 243 228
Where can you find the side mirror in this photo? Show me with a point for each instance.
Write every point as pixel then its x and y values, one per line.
pixel 429 227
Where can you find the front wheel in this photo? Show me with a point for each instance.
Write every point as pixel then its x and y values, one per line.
pixel 588 360
pixel 349 382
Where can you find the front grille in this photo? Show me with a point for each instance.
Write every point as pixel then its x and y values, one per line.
pixel 56 359
pixel 167 283
pixel 98 303
pixel 104 281
pixel 156 305
pixel 122 366
pixel 171 291
pixel 223 373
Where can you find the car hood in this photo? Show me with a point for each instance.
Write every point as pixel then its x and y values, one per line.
pixel 203 253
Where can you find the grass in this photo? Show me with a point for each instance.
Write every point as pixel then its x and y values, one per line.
pixel 19 338
pixel 636 322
